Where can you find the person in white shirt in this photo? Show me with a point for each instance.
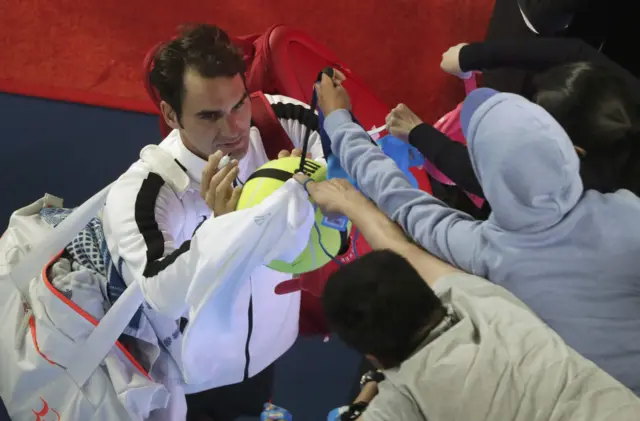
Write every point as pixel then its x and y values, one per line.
pixel 149 222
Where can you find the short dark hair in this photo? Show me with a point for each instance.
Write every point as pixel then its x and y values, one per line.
pixel 596 109
pixel 202 47
pixel 379 305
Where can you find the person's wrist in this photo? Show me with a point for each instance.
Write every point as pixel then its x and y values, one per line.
pixel 375 376
pixel 368 392
pixel 327 109
pixel 413 127
pixel 415 133
pixel 332 110
pixel 465 56
pixel 354 201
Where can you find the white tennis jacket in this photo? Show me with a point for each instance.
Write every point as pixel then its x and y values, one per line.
pixel 157 225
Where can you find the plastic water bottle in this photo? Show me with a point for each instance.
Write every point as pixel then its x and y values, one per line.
pixel 275 413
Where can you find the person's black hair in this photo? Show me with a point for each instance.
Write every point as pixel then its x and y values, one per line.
pixel 204 48
pixel 596 109
pixel 380 306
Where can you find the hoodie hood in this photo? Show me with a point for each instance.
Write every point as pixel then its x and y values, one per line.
pixel 525 162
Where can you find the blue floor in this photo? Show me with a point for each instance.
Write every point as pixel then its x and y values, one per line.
pixel 72 151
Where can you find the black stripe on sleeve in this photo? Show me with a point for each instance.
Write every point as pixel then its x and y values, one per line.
pixel 297 112
pixel 145 217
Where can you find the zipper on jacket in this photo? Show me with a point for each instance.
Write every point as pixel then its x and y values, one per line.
pixel 247 355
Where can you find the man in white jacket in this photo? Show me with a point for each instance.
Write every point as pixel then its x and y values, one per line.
pixel 150 222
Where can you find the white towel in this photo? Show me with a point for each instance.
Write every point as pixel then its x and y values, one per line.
pixel 278 228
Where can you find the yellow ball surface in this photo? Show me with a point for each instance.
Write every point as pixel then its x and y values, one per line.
pixel 269 178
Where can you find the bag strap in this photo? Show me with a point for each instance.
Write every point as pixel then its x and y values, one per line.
pixel 470 83
pixel 324 137
pixel 307 132
pixel 41 254
pixel 88 355
pixel 274 137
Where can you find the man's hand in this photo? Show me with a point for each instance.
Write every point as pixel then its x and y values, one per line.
pixel 331 95
pixel 332 196
pixel 295 153
pixel 400 121
pixel 451 60
pixel 216 187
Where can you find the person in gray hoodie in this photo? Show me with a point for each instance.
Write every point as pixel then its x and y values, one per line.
pixel 572 256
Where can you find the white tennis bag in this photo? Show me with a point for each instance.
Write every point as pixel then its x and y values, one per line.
pixel 49 373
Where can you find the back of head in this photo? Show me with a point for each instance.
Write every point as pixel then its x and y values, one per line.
pixel 380 306
pixel 595 108
pixel 204 48
pixel 524 160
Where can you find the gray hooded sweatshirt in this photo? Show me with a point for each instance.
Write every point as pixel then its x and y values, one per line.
pixel 572 256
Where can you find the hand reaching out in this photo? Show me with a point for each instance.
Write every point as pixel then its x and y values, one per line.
pixel 451 61
pixel 401 120
pixel 332 196
pixel 331 95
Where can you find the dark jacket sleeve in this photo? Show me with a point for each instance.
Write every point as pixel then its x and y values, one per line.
pixel 452 158
pixel 539 55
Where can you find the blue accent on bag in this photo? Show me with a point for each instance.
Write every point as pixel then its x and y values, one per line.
pixel 335 221
pixel 335 414
pixel 334 169
pixel 404 155
pixel 275 413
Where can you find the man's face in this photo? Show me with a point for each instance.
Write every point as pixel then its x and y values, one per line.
pixel 216 115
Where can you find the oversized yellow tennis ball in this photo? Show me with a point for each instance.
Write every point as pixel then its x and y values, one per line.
pixel 324 242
